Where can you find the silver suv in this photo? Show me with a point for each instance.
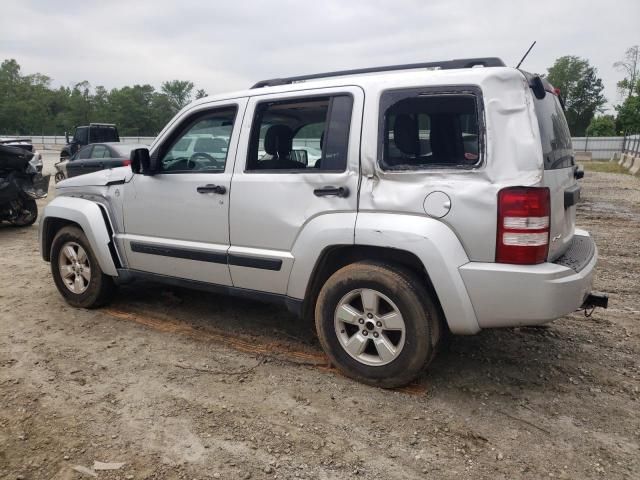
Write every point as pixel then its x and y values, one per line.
pixel 391 205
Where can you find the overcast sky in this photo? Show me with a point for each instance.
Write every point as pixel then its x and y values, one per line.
pixel 228 45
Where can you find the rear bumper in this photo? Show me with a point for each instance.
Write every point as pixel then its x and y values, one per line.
pixel 515 295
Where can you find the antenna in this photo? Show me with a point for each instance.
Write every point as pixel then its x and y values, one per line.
pixel 525 55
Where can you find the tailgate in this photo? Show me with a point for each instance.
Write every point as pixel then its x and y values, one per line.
pixel 559 173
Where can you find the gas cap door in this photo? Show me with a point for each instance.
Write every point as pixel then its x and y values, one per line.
pixel 437 204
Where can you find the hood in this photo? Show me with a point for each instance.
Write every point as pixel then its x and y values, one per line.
pixel 101 178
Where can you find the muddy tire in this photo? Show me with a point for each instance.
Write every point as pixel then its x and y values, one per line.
pixel 76 271
pixel 378 324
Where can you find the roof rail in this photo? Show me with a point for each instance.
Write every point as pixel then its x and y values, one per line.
pixel 445 65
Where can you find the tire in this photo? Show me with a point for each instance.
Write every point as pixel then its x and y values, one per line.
pixel 59 177
pixel 93 289
pixel 403 346
pixel 29 214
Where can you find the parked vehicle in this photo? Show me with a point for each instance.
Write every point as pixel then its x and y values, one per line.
pixel 20 185
pixel 26 144
pixel 95 157
pixel 85 135
pixel 444 199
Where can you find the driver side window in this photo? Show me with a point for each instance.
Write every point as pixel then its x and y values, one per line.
pixel 201 145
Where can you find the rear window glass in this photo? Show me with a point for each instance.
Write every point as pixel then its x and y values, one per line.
pixel 103 134
pixel 422 130
pixel 554 133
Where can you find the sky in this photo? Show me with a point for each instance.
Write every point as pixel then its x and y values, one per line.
pixel 229 45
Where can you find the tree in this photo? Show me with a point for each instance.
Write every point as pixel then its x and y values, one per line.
pixel 603 126
pixel 179 93
pixel 581 89
pixel 201 93
pixel 628 120
pixel 28 104
pixel 630 66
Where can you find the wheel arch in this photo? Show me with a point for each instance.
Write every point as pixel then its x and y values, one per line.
pixel 422 244
pixel 335 257
pixel 91 218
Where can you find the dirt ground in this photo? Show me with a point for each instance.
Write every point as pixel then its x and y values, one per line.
pixel 182 385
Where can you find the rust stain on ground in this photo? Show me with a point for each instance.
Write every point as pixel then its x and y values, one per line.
pixel 243 344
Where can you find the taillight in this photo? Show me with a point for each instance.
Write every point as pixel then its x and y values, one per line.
pixel 523 225
pixel 126 163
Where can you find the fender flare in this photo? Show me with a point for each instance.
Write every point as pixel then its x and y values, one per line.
pixel 89 217
pixel 440 252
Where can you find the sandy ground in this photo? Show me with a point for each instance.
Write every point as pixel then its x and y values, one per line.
pixel 181 385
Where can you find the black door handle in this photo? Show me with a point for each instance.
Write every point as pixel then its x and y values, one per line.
pixel 210 188
pixel 331 192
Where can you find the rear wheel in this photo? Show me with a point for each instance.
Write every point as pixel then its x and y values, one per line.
pixel 377 323
pixel 76 271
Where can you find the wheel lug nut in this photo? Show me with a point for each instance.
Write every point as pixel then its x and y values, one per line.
pixel 379 323
pixel 369 315
pixel 375 334
pixel 361 321
pixel 365 333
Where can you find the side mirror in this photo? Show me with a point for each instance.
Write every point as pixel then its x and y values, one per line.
pixel 141 162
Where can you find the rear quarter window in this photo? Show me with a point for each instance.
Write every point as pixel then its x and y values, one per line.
pixel 554 133
pixel 430 128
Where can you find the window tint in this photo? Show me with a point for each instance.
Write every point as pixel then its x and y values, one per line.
pixel 81 135
pixel 554 133
pixel 100 151
pixel 310 134
pixel 202 145
pixel 85 152
pixel 103 134
pixel 424 130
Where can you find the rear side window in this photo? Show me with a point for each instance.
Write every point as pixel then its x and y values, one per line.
pixel 423 129
pixel 554 133
pixel 103 134
pixel 301 135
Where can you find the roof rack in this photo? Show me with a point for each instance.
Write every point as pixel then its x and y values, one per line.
pixel 446 65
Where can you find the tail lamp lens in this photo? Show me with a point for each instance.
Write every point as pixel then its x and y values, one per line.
pixel 523 225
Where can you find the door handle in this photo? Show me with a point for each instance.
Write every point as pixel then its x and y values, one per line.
pixel 210 188
pixel 331 192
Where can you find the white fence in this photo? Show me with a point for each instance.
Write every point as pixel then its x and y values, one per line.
pixel 602 148
pixel 61 139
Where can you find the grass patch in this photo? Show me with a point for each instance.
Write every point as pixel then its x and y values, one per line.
pixel 606 167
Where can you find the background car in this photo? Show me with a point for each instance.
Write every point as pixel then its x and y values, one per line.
pixel 94 157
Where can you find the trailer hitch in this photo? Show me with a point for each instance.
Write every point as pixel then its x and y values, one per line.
pixel 594 300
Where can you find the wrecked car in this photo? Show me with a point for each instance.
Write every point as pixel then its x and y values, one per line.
pixel 391 206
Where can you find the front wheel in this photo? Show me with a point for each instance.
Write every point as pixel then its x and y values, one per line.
pixel 377 323
pixel 27 215
pixel 76 271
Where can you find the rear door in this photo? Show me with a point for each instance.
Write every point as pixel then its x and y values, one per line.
pixel 298 160
pixel 96 162
pixel 559 173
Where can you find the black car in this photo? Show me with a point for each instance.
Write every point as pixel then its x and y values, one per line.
pixel 88 134
pixel 95 157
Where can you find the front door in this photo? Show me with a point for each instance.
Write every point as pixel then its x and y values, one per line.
pixel 177 221
pixel 298 162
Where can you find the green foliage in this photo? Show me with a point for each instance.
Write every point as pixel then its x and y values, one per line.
pixel 28 104
pixel 581 89
pixel 628 120
pixel 603 126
